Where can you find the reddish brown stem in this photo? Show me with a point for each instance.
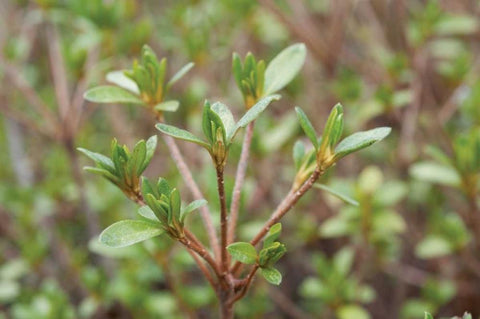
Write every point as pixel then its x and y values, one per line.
pixel 223 220
pixel 197 194
pixel 288 202
pixel 239 180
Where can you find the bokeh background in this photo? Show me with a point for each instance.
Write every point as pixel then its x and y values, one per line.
pixel 411 246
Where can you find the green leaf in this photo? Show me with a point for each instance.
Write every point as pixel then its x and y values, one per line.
pixel 360 140
pixel 119 78
pixel 191 207
pixel 151 145
pixel 128 232
pixel 337 194
pixel 272 235
pixel 100 159
pixel 147 212
pixel 343 261
pixel 335 227
pixel 167 106
pixel 226 116
pixel 177 76
pixel 428 315
pixel 254 112
pixel 284 67
pixel 272 275
pixel 432 247
pixel 307 126
pixel 333 128
pixel 298 154
pixel 243 252
pixel 180 134
pixel 352 311
pixel 432 172
pixel 111 94
pixel 137 159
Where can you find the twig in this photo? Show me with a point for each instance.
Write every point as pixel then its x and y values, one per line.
pixel 246 285
pixel 286 305
pixel 14 74
pixel 197 194
pixel 172 285
pixel 223 220
pixel 239 180
pixel 59 73
pixel 288 202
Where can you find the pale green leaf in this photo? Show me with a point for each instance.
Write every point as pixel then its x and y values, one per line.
pixel 432 172
pixel 352 311
pixel 347 199
pixel 243 252
pixel 111 94
pixel 184 70
pixel 226 116
pixel 191 207
pixel 119 78
pixel 254 112
pixel 360 140
pixel 272 275
pixel 307 126
pixel 147 212
pixel 433 246
pixel 128 232
pixel 167 106
pixel 284 67
pixel 180 134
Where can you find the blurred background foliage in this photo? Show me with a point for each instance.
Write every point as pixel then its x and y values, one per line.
pixel 412 244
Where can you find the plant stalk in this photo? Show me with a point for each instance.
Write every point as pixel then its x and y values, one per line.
pixel 239 181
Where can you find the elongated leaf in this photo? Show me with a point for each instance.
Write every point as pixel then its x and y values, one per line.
pixel 119 78
pixel 360 140
pixel 298 154
pixel 167 106
pixel 111 94
pixel 151 145
pixel 180 134
pixel 254 112
pixel 273 234
pixel 177 76
pixel 191 207
pixel 135 163
pixel 307 126
pixel 243 252
pixel 103 172
pixel 100 159
pixel 147 212
pixel 337 194
pixel 225 115
pixel 284 67
pixel 128 232
pixel 272 275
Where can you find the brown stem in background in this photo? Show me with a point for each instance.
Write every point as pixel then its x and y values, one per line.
pixel 172 285
pixel 197 194
pixel 239 180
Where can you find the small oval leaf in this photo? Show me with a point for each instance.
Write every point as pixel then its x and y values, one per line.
pixel 243 252
pixel 272 275
pixel 167 106
pixel 307 126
